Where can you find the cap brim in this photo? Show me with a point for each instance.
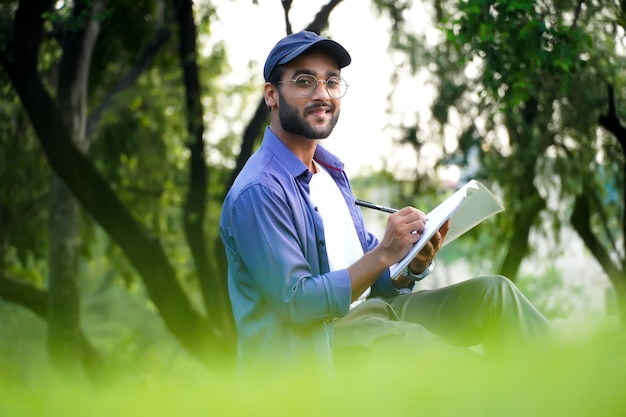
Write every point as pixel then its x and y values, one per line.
pixel 333 48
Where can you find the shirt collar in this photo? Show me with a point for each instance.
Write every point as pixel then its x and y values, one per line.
pixel 294 165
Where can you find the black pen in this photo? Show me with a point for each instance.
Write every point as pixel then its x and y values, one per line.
pixel 374 206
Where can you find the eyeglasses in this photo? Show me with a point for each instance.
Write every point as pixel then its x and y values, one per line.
pixel 306 84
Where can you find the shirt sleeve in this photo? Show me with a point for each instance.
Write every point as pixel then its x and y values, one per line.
pixel 272 239
pixel 383 286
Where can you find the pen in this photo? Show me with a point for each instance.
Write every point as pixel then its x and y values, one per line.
pixel 374 206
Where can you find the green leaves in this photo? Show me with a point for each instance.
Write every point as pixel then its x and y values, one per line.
pixel 522 45
pixel 522 85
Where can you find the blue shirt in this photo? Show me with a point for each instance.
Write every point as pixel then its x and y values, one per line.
pixel 284 297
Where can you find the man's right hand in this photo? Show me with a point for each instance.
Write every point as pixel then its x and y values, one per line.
pixel 404 228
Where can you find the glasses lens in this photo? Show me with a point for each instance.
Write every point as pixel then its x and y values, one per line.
pixel 336 87
pixel 305 84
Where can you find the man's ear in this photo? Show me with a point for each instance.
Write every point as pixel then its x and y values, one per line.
pixel 270 93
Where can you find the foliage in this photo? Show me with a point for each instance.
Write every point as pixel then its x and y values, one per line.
pixel 524 84
pixel 580 379
pixel 141 145
pixel 519 42
pixel 143 342
pixel 22 341
pixel 23 195
pixel 140 130
pixel 149 173
pixel 551 294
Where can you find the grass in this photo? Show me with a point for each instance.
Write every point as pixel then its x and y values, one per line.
pixel 581 378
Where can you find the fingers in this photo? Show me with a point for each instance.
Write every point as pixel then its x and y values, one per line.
pixel 438 238
pixel 429 250
pixel 443 230
pixel 404 228
pixel 410 220
pixel 435 243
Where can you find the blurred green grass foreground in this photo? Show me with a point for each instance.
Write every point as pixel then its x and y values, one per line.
pixel 583 377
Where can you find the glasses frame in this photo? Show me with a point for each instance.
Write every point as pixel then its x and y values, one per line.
pixel 317 83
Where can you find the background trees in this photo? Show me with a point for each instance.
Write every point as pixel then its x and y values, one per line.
pixel 117 99
pixel 70 31
pixel 531 87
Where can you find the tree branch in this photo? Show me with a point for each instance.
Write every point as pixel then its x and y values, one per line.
pixel 28 27
pixel 286 9
pixel 17 292
pixel 594 199
pixel 596 202
pixel 610 121
pixel 580 220
pixel 579 8
pixel 249 135
pixel 35 300
pixel 161 36
pixel 320 21
pixel 213 286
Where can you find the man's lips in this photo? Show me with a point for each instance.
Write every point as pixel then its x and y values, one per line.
pixel 320 110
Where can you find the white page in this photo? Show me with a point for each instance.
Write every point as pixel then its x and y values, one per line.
pixel 468 206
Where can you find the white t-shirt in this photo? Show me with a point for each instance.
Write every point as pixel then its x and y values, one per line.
pixel 342 243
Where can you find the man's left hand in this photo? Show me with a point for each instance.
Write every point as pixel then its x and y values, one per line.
pixel 427 254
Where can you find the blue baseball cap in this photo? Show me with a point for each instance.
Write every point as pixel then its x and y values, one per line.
pixel 292 46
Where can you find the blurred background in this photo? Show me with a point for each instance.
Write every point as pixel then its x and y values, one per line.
pixel 122 125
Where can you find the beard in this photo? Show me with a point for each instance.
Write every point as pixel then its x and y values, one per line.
pixel 292 122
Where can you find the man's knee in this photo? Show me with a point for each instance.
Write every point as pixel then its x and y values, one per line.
pixel 497 288
pixel 493 282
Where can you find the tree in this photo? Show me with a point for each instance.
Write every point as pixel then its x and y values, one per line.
pixel 20 61
pixel 63 300
pixel 527 83
pixel 91 76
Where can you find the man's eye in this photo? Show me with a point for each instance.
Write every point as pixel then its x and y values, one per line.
pixel 303 82
pixel 332 83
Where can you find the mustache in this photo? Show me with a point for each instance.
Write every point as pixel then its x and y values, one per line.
pixel 329 107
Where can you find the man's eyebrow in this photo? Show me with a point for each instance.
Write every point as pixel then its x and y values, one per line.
pixel 307 71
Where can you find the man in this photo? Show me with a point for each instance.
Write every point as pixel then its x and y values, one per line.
pixel 305 276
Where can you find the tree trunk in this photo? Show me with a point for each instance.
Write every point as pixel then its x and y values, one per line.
pixel 525 190
pixel 611 122
pixel 581 221
pixel 63 278
pixel 18 292
pixel 523 220
pixel 212 284
pixel 64 304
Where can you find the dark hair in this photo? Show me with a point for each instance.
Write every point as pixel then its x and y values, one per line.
pixel 275 77
pixel 277 74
